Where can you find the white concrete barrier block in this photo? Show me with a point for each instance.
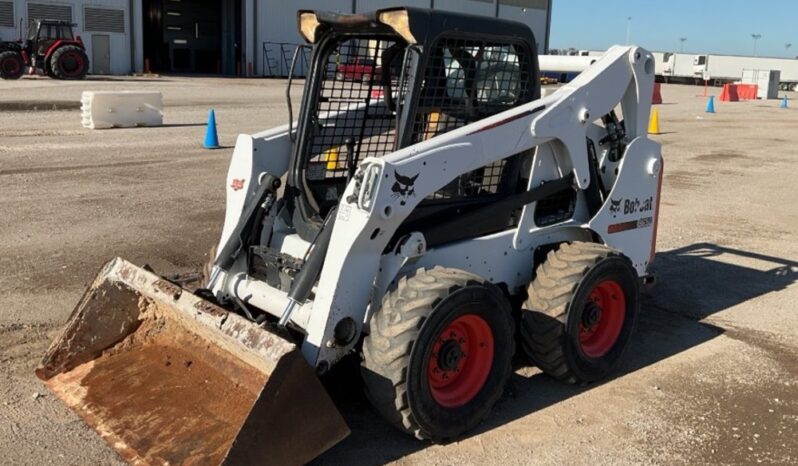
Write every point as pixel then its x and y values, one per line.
pixel 122 109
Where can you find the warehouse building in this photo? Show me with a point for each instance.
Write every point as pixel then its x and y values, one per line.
pixel 244 37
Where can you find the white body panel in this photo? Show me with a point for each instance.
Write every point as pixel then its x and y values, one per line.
pixel 121 109
pixel 357 272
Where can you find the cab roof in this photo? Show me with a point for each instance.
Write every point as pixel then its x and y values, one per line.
pixel 415 25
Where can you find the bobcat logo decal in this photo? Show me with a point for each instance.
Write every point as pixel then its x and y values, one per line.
pixel 403 187
pixel 615 206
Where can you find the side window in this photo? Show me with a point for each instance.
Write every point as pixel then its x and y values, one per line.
pixel 466 81
pixel 499 77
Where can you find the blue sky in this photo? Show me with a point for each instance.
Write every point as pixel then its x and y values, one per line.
pixel 710 26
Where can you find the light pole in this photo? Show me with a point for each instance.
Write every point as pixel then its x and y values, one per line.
pixel 756 37
pixel 787 48
pixel 682 40
pixel 628 29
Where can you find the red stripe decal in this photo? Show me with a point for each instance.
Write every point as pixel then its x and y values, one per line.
pixel 630 225
pixel 508 120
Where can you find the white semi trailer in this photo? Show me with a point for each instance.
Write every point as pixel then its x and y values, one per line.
pixel 720 69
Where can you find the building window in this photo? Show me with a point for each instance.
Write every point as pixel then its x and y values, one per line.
pixel 49 11
pixel 7 14
pixel 104 20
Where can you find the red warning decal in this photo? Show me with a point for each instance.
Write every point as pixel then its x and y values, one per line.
pixel 237 184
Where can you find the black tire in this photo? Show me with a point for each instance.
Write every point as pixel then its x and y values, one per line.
pixel 69 62
pixel 562 330
pixel 12 66
pixel 398 353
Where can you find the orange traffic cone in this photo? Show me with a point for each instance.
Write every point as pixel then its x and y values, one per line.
pixel 653 123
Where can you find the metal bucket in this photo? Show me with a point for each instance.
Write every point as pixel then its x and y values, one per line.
pixel 166 377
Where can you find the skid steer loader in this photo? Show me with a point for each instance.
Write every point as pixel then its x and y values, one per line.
pixel 414 217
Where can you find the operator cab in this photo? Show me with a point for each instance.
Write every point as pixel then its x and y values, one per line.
pixel 382 81
pixel 43 33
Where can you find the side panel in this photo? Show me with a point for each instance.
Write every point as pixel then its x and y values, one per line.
pixel 629 221
pixel 268 151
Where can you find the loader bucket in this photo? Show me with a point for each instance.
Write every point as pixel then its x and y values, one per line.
pixel 168 378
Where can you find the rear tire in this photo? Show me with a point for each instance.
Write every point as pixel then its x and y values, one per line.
pixel 439 353
pixel 581 312
pixel 12 66
pixel 69 62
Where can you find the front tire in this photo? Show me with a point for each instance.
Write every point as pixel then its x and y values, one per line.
pixel 581 312
pixel 439 353
pixel 11 65
pixel 69 62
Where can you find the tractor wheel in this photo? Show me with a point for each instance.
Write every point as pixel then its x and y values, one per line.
pixel 69 62
pixel 11 65
pixel 581 312
pixel 439 353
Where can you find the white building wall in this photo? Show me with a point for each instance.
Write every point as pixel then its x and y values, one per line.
pixel 265 21
pixel 119 42
pixel 277 24
pixel 371 5
pixel 475 7
pixel 536 19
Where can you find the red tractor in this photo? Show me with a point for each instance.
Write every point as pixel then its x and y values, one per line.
pixel 50 49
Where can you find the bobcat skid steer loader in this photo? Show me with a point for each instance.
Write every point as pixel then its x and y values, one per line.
pixel 433 202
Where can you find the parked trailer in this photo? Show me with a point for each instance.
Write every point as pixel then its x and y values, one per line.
pixel 695 69
pixel 720 69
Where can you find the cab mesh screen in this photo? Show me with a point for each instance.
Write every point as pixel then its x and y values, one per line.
pixel 352 120
pixel 466 80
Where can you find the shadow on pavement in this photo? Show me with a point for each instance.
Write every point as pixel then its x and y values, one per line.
pixel 693 282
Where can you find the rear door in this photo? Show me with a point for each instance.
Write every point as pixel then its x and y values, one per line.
pixel 100 54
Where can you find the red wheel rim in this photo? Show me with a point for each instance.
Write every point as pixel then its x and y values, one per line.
pixel 602 319
pixel 72 63
pixel 460 361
